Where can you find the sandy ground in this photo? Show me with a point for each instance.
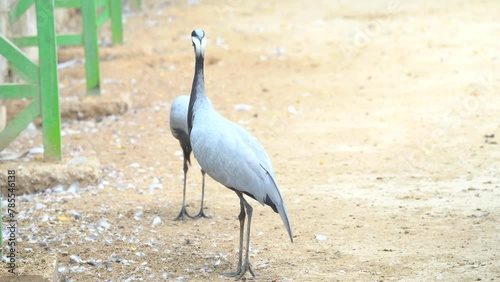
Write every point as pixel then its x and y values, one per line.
pixel 374 114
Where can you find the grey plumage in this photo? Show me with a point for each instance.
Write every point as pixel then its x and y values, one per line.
pixel 231 155
pixel 179 129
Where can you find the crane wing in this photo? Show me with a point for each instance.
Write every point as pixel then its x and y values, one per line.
pixel 237 160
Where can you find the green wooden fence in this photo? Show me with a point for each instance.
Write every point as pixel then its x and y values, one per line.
pixel 41 81
pixel 110 9
pixel 41 84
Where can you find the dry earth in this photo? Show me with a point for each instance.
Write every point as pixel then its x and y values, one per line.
pixel 374 114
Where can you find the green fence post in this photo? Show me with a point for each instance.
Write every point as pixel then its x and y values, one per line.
pixel 49 88
pixel 89 18
pixel 116 21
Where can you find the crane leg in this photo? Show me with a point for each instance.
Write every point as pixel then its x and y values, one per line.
pixel 241 218
pixel 183 215
pixel 202 213
pixel 247 266
pixel 246 209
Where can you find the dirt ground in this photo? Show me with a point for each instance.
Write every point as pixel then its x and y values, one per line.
pixel 381 119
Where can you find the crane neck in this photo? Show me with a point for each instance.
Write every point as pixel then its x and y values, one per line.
pixel 199 78
pixel 197 90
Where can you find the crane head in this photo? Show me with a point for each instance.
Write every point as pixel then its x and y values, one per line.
pixel 199 42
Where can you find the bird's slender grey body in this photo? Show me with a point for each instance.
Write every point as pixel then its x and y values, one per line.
pixel 231 155
pixel 179 129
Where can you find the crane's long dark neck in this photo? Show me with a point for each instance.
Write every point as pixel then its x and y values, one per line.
pixel 197 90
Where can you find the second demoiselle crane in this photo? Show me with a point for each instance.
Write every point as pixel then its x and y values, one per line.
pixel 179 129
pixel 231 156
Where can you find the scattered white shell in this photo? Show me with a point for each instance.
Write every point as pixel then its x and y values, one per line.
pixel 279 51
pixel 320 237
pixel 61 269
pixel 103 223
pixel 77 269
pixel 138 214
pixel 155 185
pixel 242 107
pixel 292 110
pixel 36 150
pixel 75 259
pixel 73 187
pixel 156 221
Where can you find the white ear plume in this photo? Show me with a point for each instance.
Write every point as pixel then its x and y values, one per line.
pixel 199 46
pixel 203 45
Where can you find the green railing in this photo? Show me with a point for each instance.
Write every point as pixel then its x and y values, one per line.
pixel 110 9
pixel 40 81
pixel 41 84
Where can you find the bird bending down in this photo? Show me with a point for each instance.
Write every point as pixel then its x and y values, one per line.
pixel 179 129
pixel 231 156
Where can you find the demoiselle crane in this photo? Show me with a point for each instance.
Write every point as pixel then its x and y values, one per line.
pixel 179 129
pixel 231 156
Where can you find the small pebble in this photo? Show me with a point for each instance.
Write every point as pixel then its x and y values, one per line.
pixel 76 215
pixel 117 259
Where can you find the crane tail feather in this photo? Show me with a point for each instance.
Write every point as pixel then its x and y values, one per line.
pixel 284 217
